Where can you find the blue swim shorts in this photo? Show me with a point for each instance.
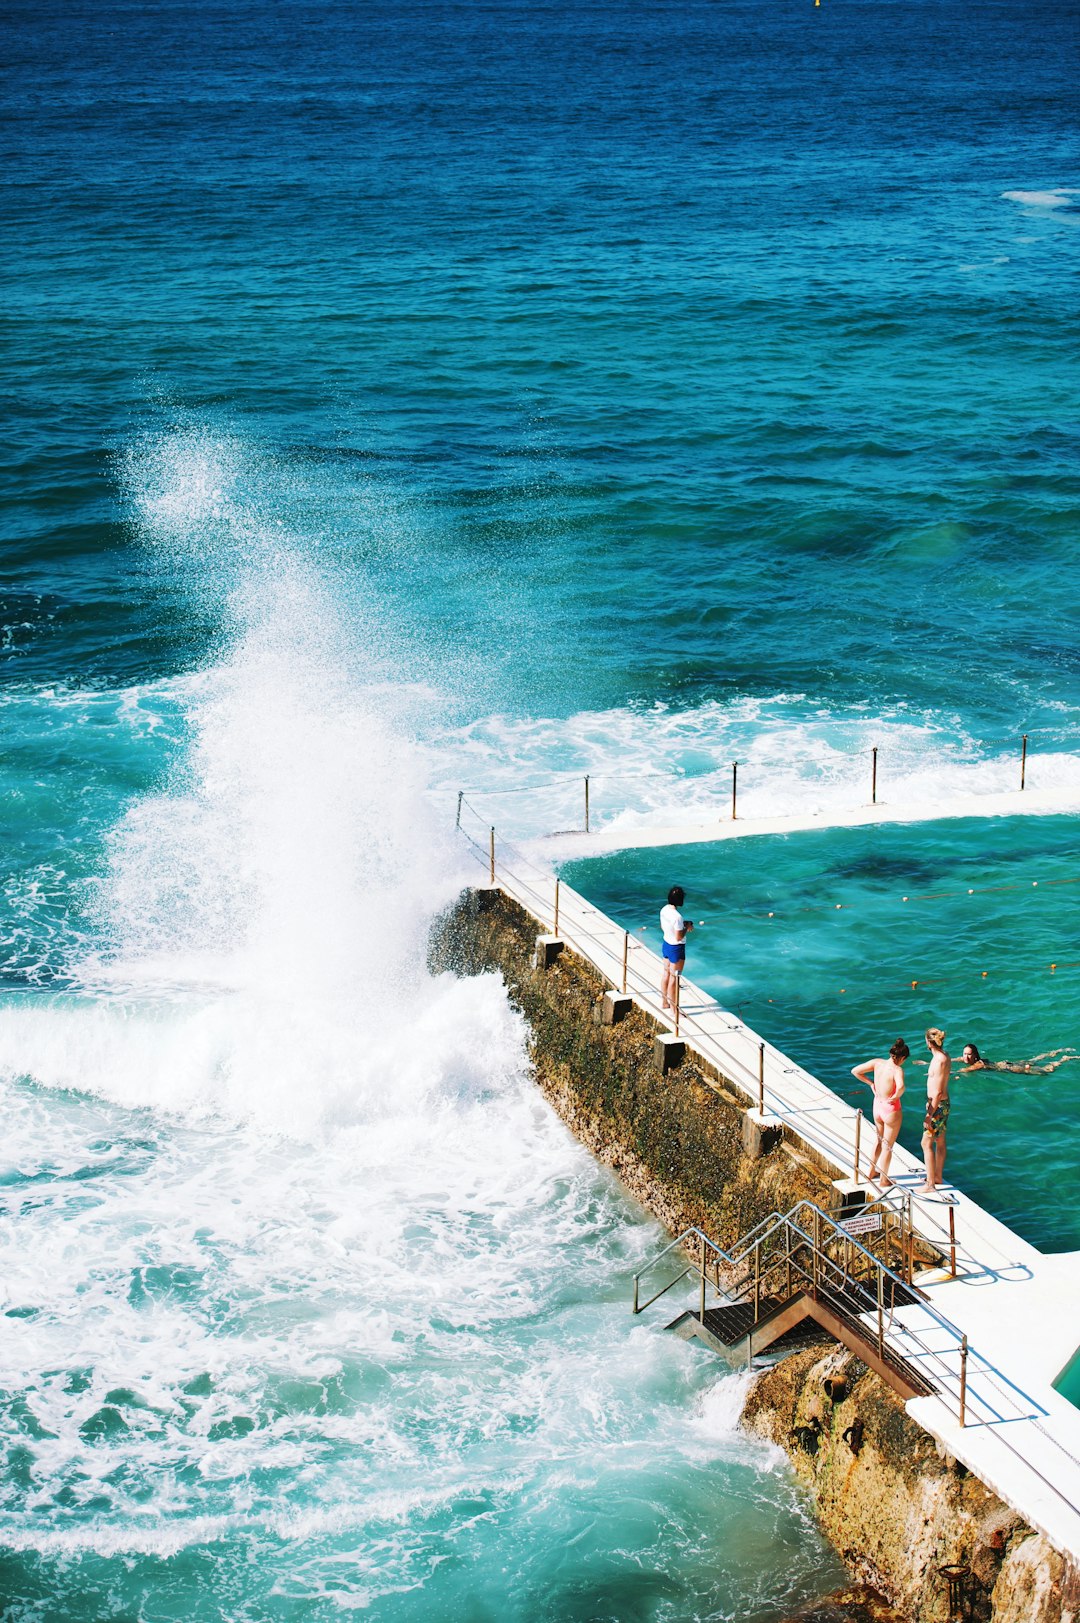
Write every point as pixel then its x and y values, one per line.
pixel 675 953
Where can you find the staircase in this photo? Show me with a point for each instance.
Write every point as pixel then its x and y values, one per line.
pixel 799 1278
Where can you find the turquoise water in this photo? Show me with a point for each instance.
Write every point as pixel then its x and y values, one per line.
pixel 816 939
pixel 1068 1382
pixel 427 396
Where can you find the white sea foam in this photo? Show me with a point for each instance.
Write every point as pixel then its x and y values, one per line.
pixel 1059 197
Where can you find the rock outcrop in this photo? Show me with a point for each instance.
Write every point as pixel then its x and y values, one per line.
pixel 899 1511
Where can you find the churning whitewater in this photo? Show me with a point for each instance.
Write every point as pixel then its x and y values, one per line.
pixel 310 1299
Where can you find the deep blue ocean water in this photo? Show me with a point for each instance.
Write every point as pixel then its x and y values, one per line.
pixel 401 398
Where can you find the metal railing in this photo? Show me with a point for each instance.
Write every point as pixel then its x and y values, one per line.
pixel 806 1250
pixel 764 1075
pixel 870 754
pixel 630 967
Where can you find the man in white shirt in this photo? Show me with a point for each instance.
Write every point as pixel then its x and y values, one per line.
pixel 674 928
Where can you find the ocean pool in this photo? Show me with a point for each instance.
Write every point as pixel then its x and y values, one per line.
pixel 833 943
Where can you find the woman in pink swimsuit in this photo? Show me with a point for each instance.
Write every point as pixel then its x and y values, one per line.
pixel 888 1085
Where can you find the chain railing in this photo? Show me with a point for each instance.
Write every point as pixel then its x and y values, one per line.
pixel 872 755
pixel 763 1074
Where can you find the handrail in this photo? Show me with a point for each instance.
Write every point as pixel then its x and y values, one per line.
pixel 780 1219
pixel 692 1231
pixel 826 1273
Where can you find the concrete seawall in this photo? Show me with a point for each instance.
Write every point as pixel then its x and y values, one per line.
pixel 895 1506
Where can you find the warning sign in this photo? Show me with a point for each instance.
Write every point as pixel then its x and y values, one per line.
pixel 865 1223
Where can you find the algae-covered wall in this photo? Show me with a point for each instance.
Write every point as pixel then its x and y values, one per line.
pixel 675 1140
pixel 895 1509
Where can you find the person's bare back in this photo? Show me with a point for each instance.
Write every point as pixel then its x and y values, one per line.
pixel 937 1109
pixel 885 1077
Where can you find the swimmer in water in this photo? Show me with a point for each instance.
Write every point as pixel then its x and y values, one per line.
pixel 887 1083
pixel 973 1061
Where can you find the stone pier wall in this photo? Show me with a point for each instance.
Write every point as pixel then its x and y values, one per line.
pixel 893 1507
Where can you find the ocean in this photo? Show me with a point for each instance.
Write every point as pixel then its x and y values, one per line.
pixel 403 398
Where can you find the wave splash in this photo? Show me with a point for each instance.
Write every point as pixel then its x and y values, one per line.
pixel 261 923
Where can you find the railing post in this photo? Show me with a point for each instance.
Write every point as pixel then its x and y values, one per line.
pixel 787 1247
pixel 491 853
pixel 910 1242
pixel 858 1143
pixel 678 988
pixel 1023 760
pixel 734 787
pixel 952 1242
pixel 460 798
pixel 761 1078
pixel 880 1312
pixel 703 1279
pixel 873 776
pixel 814 1243
pixel 963 1380
pixel 757 1283
pixel 625 956
pixel 636 1293
pixel 586 802
pixel 555 930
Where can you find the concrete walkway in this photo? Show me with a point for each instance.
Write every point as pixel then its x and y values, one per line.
pixel 628 835
pixel 1019 1309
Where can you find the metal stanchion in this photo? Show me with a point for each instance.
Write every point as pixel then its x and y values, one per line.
pixel 956 1582
pixel 625 955
pixel 952 1242
pixel 703 1279
pixel 734 787
pixel 492 854
pixel 555 929
pixel 963 1380
pixel 678 980
pixel 873 776
pixel 460 798
pixel 1023 760
pixel 586 803
pixel 761 1078
pixel 858 1144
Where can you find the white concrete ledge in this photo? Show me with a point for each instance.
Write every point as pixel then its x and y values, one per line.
pixel 627 836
